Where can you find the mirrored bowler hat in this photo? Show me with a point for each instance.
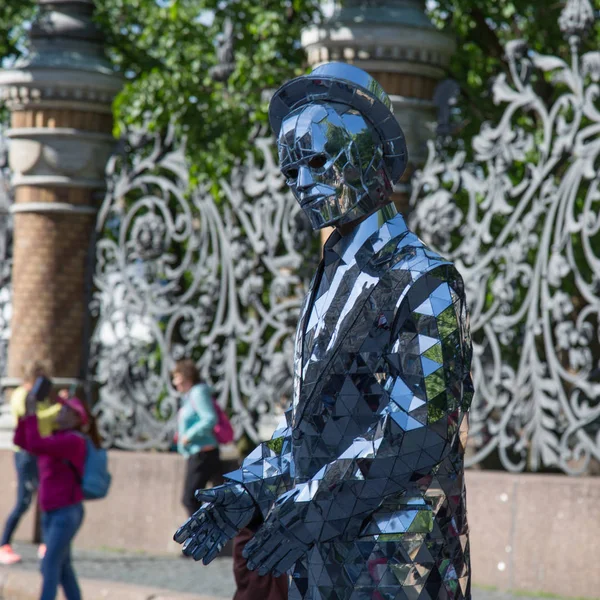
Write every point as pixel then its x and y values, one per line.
pixel 345 84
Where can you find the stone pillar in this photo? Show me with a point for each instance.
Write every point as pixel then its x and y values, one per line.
pixel 394 41
pixel 60 99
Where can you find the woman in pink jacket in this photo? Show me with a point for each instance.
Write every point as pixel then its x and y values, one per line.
pixel 61 457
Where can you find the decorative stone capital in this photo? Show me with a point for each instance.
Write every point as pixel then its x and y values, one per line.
pixel 396 43
pixel 66 66
pixel 23 89
pixel 60 156
pixel 60 96
pixel 396 47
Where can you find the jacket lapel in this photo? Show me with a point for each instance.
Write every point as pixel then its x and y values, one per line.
pixel 299 344
pixel 338 301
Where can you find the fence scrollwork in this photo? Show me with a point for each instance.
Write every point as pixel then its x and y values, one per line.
pixel 181 274
pixel 522 223
pixel 6 231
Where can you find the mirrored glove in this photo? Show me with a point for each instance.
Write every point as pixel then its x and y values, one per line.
pixel 229 508
pixel 283 538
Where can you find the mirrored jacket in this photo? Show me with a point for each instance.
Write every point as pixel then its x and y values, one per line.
pixel 372 447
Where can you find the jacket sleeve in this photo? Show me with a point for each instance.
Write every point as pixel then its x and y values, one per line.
pixel 266 473
pixel 202 404
pixel 20 436
pixel 47 417
pixel 28 437
pixel 428 394
pixel 17 403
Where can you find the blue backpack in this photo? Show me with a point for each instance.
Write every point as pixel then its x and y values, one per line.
pixel 96 479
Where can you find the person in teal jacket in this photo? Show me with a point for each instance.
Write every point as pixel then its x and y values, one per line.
pixel 195 438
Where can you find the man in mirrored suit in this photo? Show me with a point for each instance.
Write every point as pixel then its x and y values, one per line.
pixel 362 488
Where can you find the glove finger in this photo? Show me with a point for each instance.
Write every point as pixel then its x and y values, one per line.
pixel 198 537
pixel 258 555
pixel 260 539
pixel 216 495
pixel 287 562
pixel 274 559
pixel 197 549
pixel 199 552
pixel 182 534
pixel 190 526
pixel 211 540
pixel 214 551
pixel 189 547
pixel 194 541
pixel 209 495
pixel 224 524
pixel 254 544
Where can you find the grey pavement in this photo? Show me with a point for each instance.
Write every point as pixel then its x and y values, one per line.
pixel 172 572
pixel 167 571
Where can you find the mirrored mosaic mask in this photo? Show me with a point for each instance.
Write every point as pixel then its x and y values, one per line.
pixel 333 162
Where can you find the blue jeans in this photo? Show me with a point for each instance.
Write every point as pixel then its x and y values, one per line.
pixel 27 482
pixel 60 527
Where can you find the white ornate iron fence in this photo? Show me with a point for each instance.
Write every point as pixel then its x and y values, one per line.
pixel 179 273
pixel 6 230
pixel 522 223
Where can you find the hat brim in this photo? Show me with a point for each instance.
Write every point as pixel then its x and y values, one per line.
pixel 318 88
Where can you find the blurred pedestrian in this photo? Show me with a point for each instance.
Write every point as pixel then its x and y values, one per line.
pixel 61 459
pixel 25 462
pixel 196 440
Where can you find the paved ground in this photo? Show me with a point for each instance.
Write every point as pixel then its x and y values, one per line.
pixel 168 572
pixel 172 573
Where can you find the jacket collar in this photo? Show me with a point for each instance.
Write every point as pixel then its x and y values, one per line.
pixel 371 234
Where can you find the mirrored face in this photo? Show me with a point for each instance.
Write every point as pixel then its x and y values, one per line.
pixel 333 162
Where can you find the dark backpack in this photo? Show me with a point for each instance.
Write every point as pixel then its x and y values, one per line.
pixel 96 479
pixel 223 430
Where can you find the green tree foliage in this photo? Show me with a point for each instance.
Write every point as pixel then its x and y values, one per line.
pixel 166 49
pixel 14 17
pixel 481 30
